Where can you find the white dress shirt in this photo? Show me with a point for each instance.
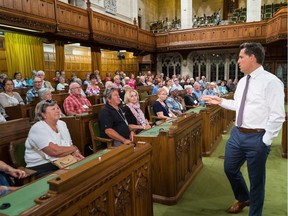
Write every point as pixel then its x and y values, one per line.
pixel 264 105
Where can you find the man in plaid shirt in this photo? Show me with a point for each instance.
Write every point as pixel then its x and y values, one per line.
pixel 76 103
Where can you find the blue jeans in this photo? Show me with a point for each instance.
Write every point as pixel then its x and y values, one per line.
pixel 248 147
pixel 3 182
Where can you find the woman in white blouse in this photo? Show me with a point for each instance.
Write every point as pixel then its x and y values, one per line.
pixel 8 97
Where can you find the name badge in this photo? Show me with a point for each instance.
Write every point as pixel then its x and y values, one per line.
pixel 85 106
pixel 195 101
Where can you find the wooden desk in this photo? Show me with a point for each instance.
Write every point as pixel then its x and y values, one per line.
pixel 212 127
pixel 284 138
pixel 118 183
pixel 60 97
pixel 78 126
pixel 176 156
pixel 228 116
pixel 12 130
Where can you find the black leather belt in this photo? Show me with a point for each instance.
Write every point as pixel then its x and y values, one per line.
pixel 248 130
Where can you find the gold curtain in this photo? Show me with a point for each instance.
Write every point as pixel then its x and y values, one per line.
pixel 23 53
pixel 96 59
pixel 60 56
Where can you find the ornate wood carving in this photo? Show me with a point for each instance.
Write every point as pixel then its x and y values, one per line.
pixel 142 180
pixel 122 195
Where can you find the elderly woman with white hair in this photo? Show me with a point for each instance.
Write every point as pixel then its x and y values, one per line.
pixel 46 84
pixel 48 140
pixel 46 94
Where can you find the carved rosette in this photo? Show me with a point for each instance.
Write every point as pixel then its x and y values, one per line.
pixel 142 180
pixel 122 194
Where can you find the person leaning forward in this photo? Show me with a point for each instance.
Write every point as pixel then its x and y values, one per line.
pixel 259 120
pixel 112 120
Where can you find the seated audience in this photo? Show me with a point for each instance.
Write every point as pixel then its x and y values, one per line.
pixel 97 73
pixel 168 85
pixel 5 172
pixel 33 92
pixel 174 101
pixel 87 80
pixel 132 81
pixel 93 88
pixel 45 84
pixel 75 103
pixel 142 81
pixel 48 140
pixel 18 81
pixel 190 98
pixel 177 84
pixel 30 81
pixel 135 117
pixel 157 84
pixel 79 81
pixel 56 78
pixel 160 108
pixel 8 97
pixel 108 77
pixel 117 82
pixel 112 121
pixel 222 88
pixel 209 90
pixel 46 94
pixel 61 85
pixel 231 87
pixel 2 77
pixel 198 93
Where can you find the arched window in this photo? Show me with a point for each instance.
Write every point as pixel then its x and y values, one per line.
pixel 221 71
pixel 213 72
pixel 232 70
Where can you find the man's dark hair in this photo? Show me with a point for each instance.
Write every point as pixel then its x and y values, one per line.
pixel 256 49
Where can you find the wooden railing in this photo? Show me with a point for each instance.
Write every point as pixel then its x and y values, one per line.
pixel 50 16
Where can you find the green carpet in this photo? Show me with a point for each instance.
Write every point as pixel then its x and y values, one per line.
pixel 210 192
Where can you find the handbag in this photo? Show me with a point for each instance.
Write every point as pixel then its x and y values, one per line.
pixel 61 162
pixel 65 161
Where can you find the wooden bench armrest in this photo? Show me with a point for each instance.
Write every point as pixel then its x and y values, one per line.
pixel 30 176
pixel 106 140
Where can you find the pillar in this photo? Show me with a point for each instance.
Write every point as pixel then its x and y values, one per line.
pixel 186 14
pixel 253 10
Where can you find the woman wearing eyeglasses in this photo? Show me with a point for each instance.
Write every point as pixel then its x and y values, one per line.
pixel 48 140
pixel 8 97
pixel 160 108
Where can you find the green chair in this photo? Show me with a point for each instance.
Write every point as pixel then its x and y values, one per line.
pixel 153 118
pixel 98 141
pixel 17 153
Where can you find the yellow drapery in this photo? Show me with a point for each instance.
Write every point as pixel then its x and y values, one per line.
pixel 23 53
pixel 95 58
pixel 60 56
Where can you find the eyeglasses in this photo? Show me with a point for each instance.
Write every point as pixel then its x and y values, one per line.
pixel 76 88
pixel 47 103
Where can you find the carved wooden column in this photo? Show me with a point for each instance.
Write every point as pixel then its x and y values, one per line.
pixel 95 59
pixel 60 56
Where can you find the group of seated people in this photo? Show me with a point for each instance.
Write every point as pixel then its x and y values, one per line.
pixel 119 120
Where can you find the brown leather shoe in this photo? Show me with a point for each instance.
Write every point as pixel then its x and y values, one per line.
pixel 237 207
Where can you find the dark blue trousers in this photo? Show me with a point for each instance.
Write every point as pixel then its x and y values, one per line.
pixel 248 147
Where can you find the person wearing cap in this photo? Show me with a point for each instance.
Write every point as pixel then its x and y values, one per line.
pixel 76 103
pixel 174 102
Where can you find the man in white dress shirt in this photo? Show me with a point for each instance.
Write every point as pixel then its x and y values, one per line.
pixel 261 120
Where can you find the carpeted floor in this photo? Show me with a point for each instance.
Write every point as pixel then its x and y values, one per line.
pixel 210 192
